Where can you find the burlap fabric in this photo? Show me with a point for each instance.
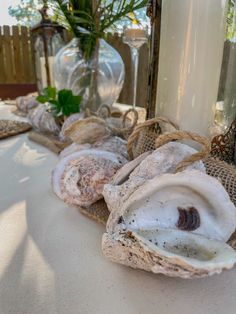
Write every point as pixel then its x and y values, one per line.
pixel 145 134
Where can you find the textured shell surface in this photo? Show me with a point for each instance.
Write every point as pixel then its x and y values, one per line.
pixel 71 119
pixel 112 144
pixel 175 224
pixel 163 160
pixel 160 202
pixel 78 179
pixel 26 103
pixel 88 130
pixel 42 120
pixel 173 253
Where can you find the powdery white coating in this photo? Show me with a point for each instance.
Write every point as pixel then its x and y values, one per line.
pixel 155 205
pixel 170 252
pixel 112 144
pixel 78 179
pixel 163 160
pixel 42 120
pixel 143 232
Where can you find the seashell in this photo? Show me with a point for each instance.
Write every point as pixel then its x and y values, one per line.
pixel 175 224
pixel 73 148
pixel 172 253
pixel 26 103
pixel 112 144
pixel 163 160
pixel 71 119
pixel 88 130
pixel 43 121
pixel 78 179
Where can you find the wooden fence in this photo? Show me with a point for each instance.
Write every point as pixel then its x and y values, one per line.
pixel 17 74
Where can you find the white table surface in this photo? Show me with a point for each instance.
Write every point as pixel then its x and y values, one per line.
pixel 51 259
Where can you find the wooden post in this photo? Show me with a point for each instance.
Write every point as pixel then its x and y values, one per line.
pixel 154 12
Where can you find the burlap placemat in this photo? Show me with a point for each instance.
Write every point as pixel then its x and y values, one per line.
pixel 98 212
pixel 10 128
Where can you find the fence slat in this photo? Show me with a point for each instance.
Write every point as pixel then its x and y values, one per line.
pixel 26 55
pixel 8 55
pixel 2 63
pixel 19 74
pixel 17 62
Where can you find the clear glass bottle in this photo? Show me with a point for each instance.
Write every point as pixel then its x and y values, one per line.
pixel 98 80
pixel 65 60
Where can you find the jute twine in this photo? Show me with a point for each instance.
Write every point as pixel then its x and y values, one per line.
pixel 124 131
pixel 185 135
pixel 145 134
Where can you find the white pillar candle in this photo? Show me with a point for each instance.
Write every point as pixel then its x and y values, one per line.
pixel 191 51
pixel 43 71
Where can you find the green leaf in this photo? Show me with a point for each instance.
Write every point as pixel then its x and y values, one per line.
pixel 68 102
pixel 42 99
pixel 50 92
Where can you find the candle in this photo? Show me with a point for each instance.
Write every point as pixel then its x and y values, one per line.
pixel 43 71
pixel 135 33
pixel 191 51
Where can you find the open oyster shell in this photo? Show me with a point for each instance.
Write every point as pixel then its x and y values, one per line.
pixel 163 160
pixel 170 252
pixel 174 224
pixel 88 130
pixel 78 179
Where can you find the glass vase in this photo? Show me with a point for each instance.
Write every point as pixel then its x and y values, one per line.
pixel 65 60
pixel 98 80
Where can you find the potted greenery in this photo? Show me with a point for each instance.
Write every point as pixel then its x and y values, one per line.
pixel 95 69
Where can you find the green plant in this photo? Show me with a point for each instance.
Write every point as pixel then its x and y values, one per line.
pixel 231 20
pixel 89 20
pixel 61 102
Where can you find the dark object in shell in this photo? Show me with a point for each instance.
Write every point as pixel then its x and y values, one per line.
pixel 189 219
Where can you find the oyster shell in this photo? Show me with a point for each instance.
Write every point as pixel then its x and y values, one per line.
pixel 26 103
pixel 71 119
pixel 163 160
pixel 147 230
pixel 112 144
pixel 43 121
pixel 88 130
pixel 170 252
pixel 78 179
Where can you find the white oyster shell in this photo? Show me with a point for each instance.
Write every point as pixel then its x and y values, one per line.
pixel 88 130
pixel 155 205
pixel 78 179
pixel 163 160
pixel 43 121
pixel 26 103
pixel 170 252
pixel 70 120
pixel 112 144
pixel 144 232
